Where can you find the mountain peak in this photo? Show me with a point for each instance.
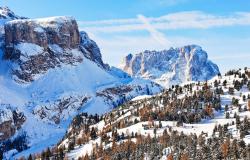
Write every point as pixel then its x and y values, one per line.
pixel 36 45
pixel 173 66
pixel 91 50
pixel 6 13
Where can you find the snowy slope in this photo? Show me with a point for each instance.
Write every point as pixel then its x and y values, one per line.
pixel 205 126
pixel 76 82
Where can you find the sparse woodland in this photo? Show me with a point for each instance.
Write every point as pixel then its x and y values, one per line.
pixel 115 135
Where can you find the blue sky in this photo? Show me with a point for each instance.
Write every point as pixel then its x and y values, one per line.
pixel 120 27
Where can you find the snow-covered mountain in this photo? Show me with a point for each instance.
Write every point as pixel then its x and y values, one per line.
pixel 6 13
pixel 49 72
pixel 173 66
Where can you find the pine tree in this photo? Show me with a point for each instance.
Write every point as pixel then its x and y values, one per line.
pixel 47 154
pixel 93 134
pixel 86 157
pixel 224 83
pixel 248 104
pixel 30 157
pixel 61 153
pixel 231 90
pixel 238 121
pixel 184 156
pixel 170 157
pixel 1 154
pixel 225 149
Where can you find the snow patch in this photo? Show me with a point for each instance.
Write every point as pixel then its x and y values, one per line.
pixel 29 49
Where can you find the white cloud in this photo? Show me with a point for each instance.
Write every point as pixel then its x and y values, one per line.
pixel 235 57
pixel 116 47
pixel 155 34
pixel 109 22
pixel 179 20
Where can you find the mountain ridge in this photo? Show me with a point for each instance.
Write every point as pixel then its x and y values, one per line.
pixel 170 67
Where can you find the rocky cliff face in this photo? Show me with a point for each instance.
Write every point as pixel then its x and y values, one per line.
pixel 6 13
pixel 10 121
pixel 41 44
pixel 62 31
pixel 91 50
pixel 173 66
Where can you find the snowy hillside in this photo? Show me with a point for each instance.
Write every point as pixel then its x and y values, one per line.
pixel 193 120
pixel 50 72
pixel 170 67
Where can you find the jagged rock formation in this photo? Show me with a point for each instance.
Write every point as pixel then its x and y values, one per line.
pixel 62 31
pixel 91 50
pixel 10 121
pixel 118 95
pixel 38 45
pixel 173 66
pixel 58 110
pixel 6 13
pixel 41 44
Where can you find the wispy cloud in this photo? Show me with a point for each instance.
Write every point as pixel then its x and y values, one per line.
pixel 228 57
pixel 155 34
pixel 179 20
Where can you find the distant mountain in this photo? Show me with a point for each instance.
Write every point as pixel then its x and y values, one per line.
pixel 173 66
pixel 49 72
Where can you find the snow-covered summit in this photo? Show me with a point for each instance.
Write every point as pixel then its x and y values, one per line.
pixel 173 66
pixel 44 22
pixel 37 45
pixel 6 13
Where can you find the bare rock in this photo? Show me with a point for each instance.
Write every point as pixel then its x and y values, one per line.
pixel 10 121
pixel 40 44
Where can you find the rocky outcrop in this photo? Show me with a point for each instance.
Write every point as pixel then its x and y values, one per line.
pixel 6 13
pixel 118 95
pixel 173 66
pixel 10 121
pixel 41 44
pixel 60 109
pixel 91 50
pixel 62 31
